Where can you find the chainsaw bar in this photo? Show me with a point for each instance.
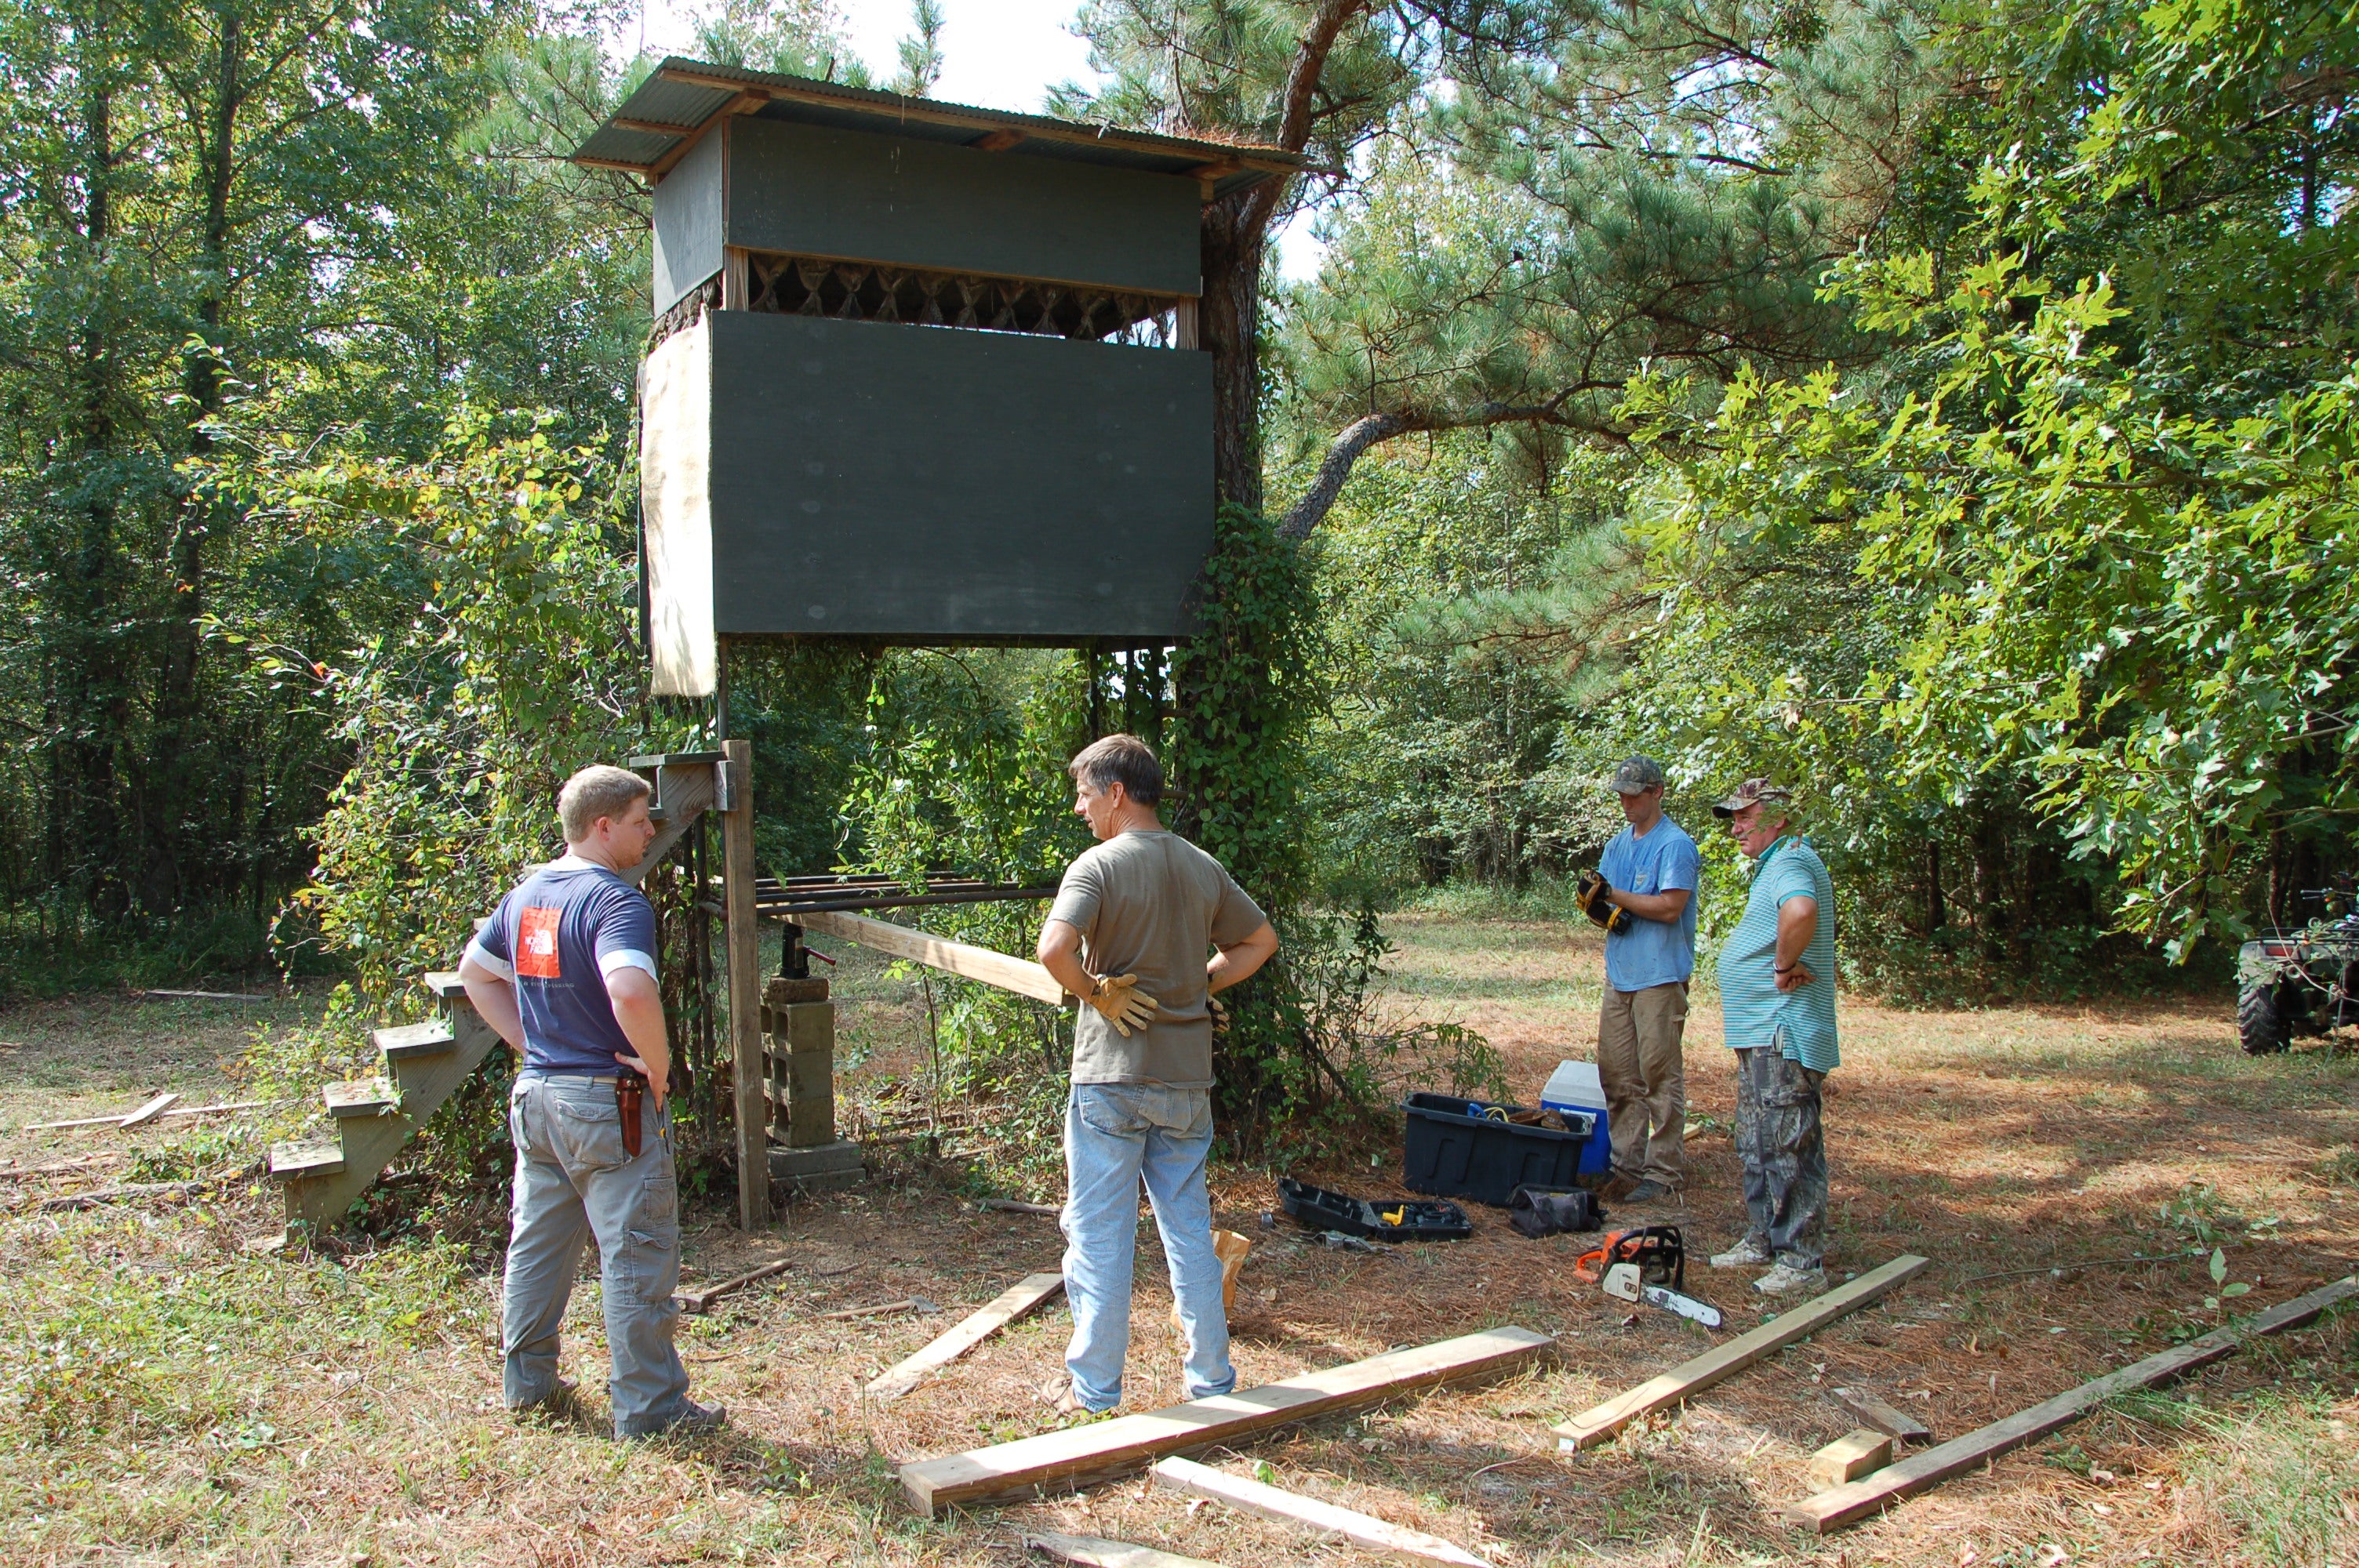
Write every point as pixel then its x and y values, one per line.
pixel 1686 1306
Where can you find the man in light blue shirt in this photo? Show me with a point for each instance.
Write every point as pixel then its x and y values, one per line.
pixel 1650 872
pixel 1778 1002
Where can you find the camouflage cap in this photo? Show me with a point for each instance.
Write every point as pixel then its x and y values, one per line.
pixel 1752 792
pixel 1636 775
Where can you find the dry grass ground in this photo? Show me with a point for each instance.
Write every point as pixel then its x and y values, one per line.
pixel 168 1397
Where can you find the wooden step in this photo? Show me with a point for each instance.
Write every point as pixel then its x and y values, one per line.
pixel 297 1162
pixel 361 1097
pixel 444 983
pixel 407 1041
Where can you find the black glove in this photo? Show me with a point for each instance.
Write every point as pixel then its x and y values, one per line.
pixel 1590 892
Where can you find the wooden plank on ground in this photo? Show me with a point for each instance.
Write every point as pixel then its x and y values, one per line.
pixel 1723 1361
pixel 1078 1455
pixel 1309 1513
pixel 995 1315
pixel 1870 1411
pixel 151 1110
pixel 1834 1509
pixel 1097 1552
pixel 1021 976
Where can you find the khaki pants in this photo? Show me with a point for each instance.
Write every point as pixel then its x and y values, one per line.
pixel 1639 1066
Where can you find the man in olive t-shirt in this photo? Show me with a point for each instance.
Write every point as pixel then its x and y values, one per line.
pixel 1130 933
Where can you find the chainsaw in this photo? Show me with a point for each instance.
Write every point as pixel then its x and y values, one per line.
pixel 1656 1249
pixel 1623 1282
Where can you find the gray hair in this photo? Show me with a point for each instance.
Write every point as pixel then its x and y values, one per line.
pixel 1125 760
pixel 597 791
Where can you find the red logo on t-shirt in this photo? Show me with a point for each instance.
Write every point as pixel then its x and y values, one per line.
pixel 536 944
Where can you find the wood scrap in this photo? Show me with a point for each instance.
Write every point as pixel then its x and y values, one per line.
pixel 1871 1412
pixel 151 1110
pixel 1270 1502
pixel 1097 1552
pixel 907 1304
pixel 1012 1205
pixel 1850 1456
pixel 215 996
pixel 1598 1425
pixel 1834 1508
pixel 1101 1450
pixel 144 1113
pixel 219 1109
pixel 699 1301
pixel 993 1316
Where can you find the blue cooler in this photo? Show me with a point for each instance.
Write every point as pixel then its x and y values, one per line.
pixel 1575 1087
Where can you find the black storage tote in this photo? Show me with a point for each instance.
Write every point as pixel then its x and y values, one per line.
pixel 1459 1149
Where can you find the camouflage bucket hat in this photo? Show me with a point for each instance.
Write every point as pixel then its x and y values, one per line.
pixel 1636 775
pixel 1752 792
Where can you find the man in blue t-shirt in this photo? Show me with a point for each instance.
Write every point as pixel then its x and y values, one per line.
pixel 1651 871
pixel 565 971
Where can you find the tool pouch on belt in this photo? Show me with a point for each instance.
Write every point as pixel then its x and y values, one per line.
pixel 630 1093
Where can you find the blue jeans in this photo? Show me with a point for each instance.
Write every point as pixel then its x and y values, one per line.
pixel 573 1181
pixel 1115 1134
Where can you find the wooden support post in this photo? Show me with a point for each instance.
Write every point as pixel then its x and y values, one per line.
pixel 745 988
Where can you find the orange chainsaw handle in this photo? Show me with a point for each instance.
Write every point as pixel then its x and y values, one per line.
pixel 1590 1267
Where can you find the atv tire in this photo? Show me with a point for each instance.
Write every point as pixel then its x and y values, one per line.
pixel 2264 1024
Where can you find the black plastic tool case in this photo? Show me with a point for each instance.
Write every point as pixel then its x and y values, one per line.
pixel 1324 1209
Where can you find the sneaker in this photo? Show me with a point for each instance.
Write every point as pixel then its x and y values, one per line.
pixel 1749 1253
pixel 1785 1279
pixel 1057 1394
pixel 1647 1192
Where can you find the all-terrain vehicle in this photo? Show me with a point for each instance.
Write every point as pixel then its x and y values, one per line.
pixel 2300 982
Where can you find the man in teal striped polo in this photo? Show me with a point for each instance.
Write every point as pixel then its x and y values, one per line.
pixel 1777 1007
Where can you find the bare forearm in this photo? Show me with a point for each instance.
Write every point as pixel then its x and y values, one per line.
pixel 1665 906
pixel 637 1006
pixel 494 1002
pixel 1059 952
pixel 1236 964
pixel 1797 922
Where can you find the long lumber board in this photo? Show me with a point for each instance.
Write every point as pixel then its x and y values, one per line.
pixel 1839 1506
pixel 1080 1455
pixel 1592 1427
pixel 1248 1495
pixel 1021 976
pixel 993 1316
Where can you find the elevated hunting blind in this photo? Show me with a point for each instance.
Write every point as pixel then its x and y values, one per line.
pixel 922 373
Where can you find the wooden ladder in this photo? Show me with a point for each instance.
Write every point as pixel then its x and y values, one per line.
pixel 424 1063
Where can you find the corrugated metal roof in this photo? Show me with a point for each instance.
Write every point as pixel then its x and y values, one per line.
pixel 687 93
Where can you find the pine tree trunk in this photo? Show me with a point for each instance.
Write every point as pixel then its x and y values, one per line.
pixel 1229 324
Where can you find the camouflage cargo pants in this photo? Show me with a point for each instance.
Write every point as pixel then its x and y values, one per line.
pixel 1784 1155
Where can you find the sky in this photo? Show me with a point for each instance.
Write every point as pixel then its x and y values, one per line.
pixel 996 54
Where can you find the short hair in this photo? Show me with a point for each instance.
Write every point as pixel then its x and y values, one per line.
pixel 1125 760
pixel 597 791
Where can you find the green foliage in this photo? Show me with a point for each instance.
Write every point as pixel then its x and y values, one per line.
pixel 1304 1056
pixel 1434 755
pixel 962 768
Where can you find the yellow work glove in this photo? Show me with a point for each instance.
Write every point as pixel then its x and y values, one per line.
pixel 1125 1005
